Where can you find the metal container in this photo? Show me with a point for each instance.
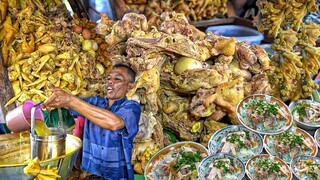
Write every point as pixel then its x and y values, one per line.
pixel 48 147
pixel 15 151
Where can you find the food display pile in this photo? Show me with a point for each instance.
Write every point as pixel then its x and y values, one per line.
pixel 193 10
pixel 41 45
pixel 296 57
pixel 188 82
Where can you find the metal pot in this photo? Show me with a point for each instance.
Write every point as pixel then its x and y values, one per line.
pixel 48 147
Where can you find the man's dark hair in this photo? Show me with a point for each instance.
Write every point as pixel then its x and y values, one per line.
pixel 130 71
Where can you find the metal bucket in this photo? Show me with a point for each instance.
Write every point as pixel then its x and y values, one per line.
pixel 15 151
pixel 48 147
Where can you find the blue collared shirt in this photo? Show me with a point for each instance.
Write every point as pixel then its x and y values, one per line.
pixel 103 151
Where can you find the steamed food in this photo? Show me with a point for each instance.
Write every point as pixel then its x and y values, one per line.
pixel 238 144
pixel 222 169
pixel 307 112
pixel 307 169
pixel 290 144
pixel 179 163
pixel 265 168
pixel 264 115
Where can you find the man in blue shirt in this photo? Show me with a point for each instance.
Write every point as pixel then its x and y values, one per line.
pixel 111 124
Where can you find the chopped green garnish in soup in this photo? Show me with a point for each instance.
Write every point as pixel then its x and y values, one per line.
pixel 265 115
pixel 307 112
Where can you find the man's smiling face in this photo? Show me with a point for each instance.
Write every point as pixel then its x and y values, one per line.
pixel 118 83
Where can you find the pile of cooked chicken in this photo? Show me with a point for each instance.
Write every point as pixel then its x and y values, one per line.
pixel 193 10
pixel 188 81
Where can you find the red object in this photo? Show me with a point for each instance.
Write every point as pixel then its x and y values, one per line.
pixel 78 130
pixel 318 76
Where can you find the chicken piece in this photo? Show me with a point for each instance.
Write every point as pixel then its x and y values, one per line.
pixel 225 45
pixel 123 29
pixel 273 176
pixel 255 68
pixel 229 148
pixel 260 84
pixel 197 34
pixel 294 152
pixel 118 49
pixel 244 55
pixel 193 79
pixel 237 71
pixel 104 25
pixel 217 115
pixel 221 45
pixel 148 140
pixel 144 57
pixel 198 107
pixel 268 123
pixel 224 59
pixel 179 120
pixel 169 43
pixel 150 81
pixel 228 96
pixel 214 173
pixel 262 56
pixel 174 23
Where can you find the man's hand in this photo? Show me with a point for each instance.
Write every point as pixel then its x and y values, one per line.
pixel 59 98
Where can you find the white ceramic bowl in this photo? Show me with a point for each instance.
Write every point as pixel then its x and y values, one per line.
pixel 215 143
pixel 280 125
pixel 250 166
pixel 306 126
pixel 295 167
pixel 270 145
pixel 204 167
pixel 160 161
pixel 317 137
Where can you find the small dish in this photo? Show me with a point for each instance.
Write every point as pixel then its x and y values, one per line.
pixel 317 137
pixel 264 114
pixel 306 167
pixel 306 120
pixel 236 140
pixel 163 163
pixel 289 144
pixel 223 166
pixel 267 166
